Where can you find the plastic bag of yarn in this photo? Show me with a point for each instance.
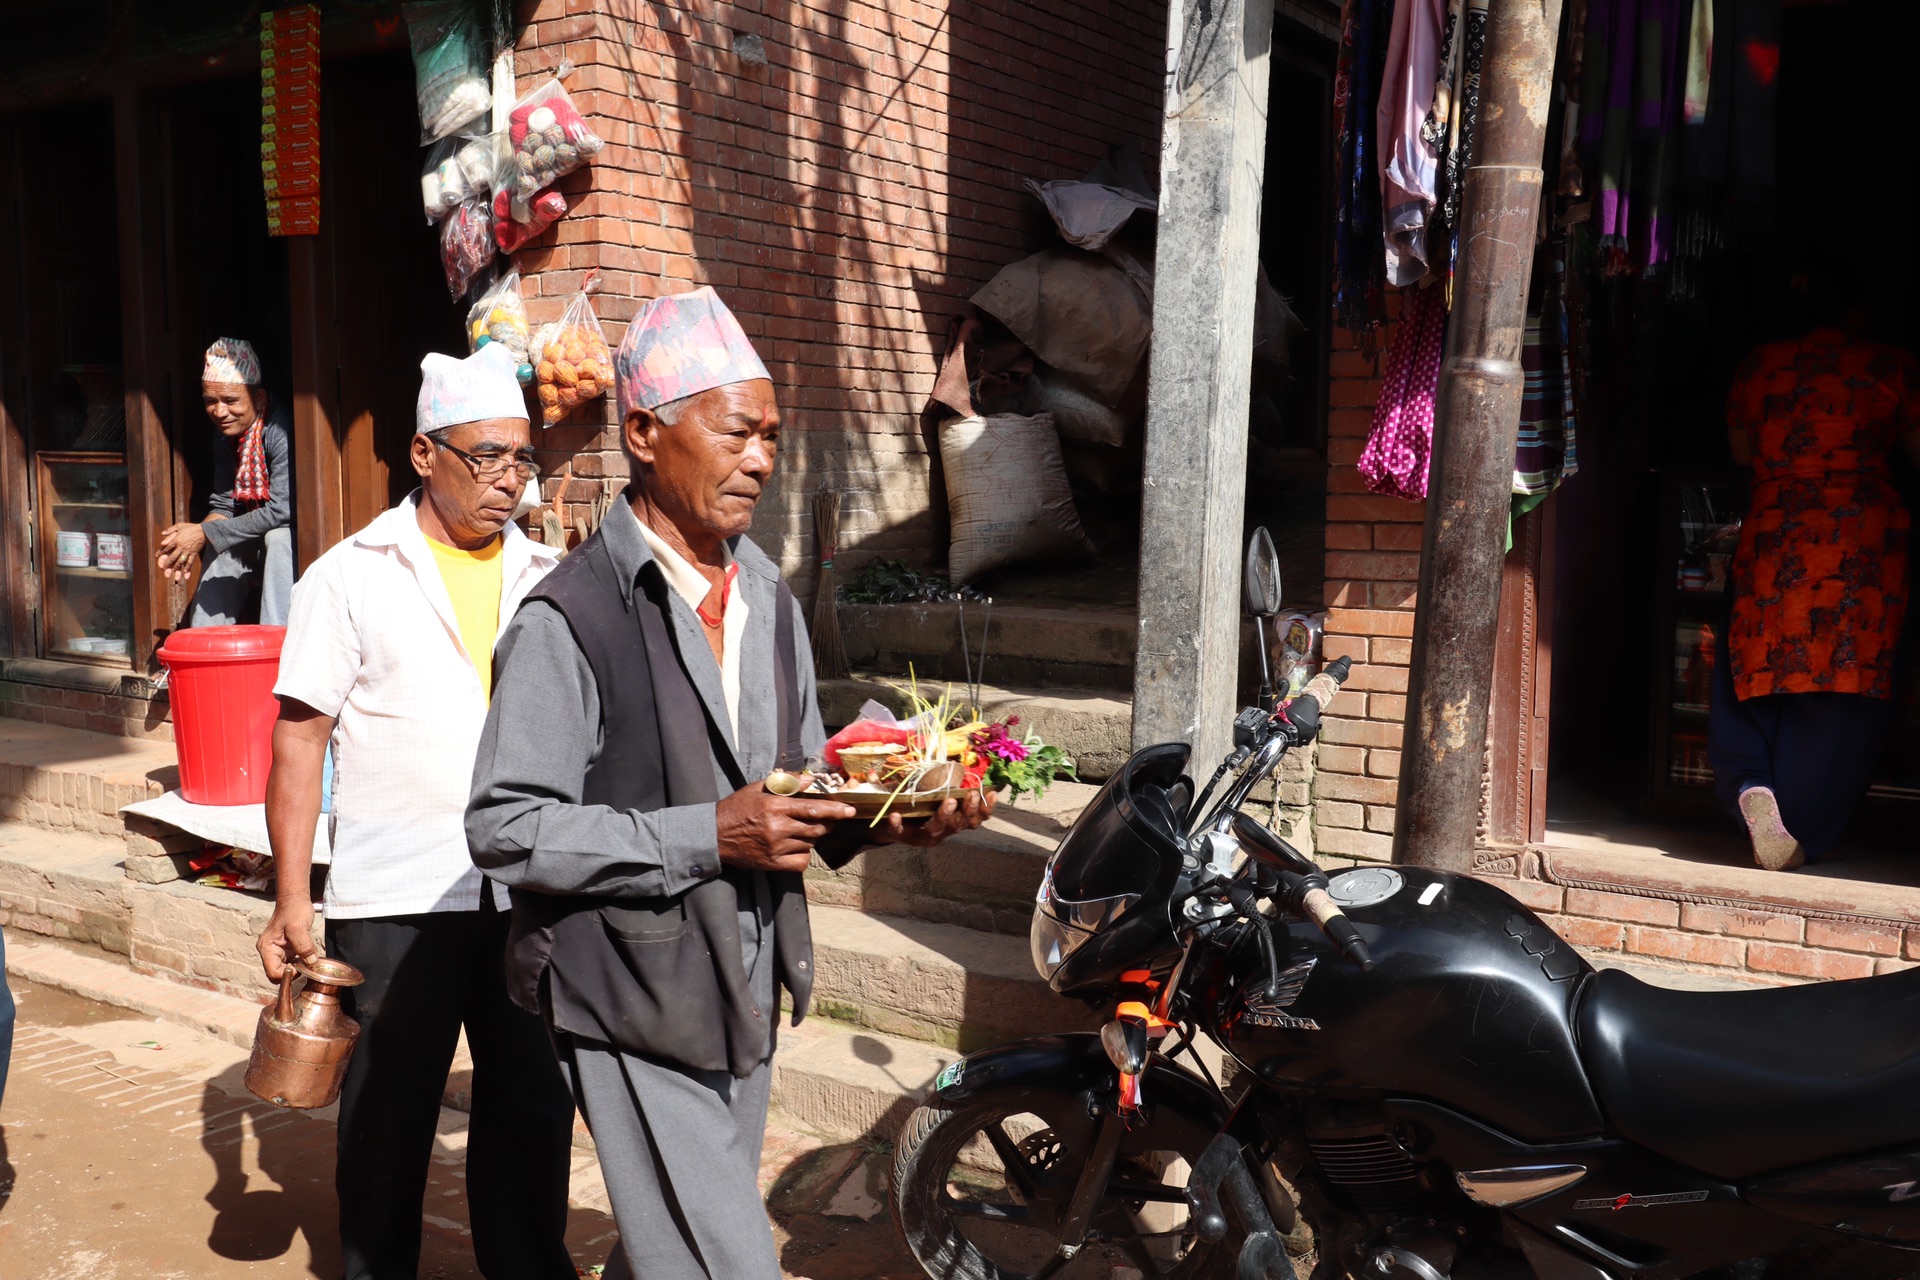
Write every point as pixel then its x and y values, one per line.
pixel 452 54
pixel 547 138
pixel 571 362
pixel 460 169
pixel 499 315
pixel 547 208
pixel 466 246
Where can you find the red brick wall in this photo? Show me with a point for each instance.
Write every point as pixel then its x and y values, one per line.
pixel 844 197
pixel 125 717
pixel 1373 562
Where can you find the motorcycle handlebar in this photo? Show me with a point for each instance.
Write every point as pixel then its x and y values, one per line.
pixel 1321 688
pixel 1325 912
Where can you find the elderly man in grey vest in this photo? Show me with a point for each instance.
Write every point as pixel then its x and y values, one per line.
pixel 642 691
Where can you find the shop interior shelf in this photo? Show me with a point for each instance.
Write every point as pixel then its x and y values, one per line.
pixel 74 571
pixel 99 506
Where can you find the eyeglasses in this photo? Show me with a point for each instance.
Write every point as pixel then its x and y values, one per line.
pixel 493 466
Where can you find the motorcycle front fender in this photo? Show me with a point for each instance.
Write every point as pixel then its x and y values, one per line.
pixel 1183 1111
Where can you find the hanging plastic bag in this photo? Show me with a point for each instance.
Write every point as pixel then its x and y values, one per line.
pixel 571 361
pixel 500 316
pixel 547 139
pixel 460 169
pixel 452 54
pixel 466 246
pixel 548 208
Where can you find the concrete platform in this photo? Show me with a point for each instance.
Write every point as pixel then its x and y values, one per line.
pixel 73 779
pixel 1071 643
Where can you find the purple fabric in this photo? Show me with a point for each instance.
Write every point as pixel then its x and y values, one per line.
pixel 1400 446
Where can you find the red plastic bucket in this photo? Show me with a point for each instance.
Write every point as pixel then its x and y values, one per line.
pixel 220 681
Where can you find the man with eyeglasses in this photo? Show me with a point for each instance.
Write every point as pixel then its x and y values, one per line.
pixel 389 656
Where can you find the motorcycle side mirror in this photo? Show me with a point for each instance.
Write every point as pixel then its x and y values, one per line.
pixel 1262 575
pixel 1262 588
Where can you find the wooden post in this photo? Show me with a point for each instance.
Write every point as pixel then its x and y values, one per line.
pixel 1477 417
pixel 147 361
pixel 1212 157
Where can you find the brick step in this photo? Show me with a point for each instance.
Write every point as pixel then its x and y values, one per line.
pixel 1086 646
pixel 982 879
pixel 1737 921
pixel 943 984
pixel 851 1084
pixel 73 779
pixel 74 885
pixel 1093 726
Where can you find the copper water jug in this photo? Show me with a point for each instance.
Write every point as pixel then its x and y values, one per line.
pixel 301 1047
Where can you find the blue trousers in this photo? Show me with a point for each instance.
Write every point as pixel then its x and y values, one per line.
pixel 1816 751
pixel 6 1018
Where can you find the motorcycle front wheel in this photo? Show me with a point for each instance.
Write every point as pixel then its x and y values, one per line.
pixel 980 1192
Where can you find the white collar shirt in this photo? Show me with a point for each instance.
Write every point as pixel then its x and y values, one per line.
pixel 372 640
pixel 692 586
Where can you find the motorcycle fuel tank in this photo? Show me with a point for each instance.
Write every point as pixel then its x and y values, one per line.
pixel 1469 1002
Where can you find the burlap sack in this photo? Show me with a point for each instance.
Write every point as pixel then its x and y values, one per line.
pixel 1007 494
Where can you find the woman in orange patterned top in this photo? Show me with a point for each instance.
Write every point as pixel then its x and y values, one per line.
pixel 1804 686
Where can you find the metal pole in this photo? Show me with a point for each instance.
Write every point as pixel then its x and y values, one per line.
pixel 1477 416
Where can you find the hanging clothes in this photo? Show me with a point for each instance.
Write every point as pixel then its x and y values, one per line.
pixel 1409 173
pixel 1544 452
pixel 1359 262
pixel 1399 447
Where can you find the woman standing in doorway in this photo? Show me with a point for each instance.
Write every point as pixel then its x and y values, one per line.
pixel 1803 691
pixel 246 540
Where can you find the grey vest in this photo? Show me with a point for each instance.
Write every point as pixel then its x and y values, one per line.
pixel 664 976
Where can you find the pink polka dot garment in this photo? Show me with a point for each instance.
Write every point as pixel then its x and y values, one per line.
pixel 1400 445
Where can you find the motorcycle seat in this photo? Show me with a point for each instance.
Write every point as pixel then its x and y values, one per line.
pixel 1734 1083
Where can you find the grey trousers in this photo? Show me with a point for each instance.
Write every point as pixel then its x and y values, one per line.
pixel 230 578
pixel 680 1148
pixel 680 1153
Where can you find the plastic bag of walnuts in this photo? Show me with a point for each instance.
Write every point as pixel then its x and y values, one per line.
pixel 547 138
pixel 571 362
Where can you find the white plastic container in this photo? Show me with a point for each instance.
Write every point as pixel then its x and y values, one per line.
pixel 72 550
pixel 112 551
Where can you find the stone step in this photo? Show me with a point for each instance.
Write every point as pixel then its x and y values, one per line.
pixel 943 984
pixel 982 879
pixel 73 885
pixel 1073 645
pixel 72 779
pixel 1093 726
pixel 851 1084
pixel 64 884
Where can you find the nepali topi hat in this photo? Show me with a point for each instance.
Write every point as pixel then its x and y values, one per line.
pixel 231 361
pixel 485 385
pixel 680 345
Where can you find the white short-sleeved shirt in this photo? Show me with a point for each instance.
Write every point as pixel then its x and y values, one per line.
pixel 372 640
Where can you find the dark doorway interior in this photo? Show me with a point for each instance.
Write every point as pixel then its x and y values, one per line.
pixel 226 276
pixel 1637 576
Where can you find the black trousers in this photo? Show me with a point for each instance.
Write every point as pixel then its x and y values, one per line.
pixel 427 976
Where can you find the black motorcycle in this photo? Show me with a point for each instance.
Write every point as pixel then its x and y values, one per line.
pixel 1425 1082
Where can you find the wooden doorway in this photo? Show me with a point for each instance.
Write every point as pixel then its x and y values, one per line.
pixel 369 300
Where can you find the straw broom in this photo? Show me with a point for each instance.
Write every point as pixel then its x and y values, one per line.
pixel 829 651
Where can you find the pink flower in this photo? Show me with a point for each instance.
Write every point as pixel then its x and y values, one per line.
pixel 1006 748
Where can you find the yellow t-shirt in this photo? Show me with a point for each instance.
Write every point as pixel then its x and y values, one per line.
pixel 472 580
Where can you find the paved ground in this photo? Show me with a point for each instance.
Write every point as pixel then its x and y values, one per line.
pixel 129 1148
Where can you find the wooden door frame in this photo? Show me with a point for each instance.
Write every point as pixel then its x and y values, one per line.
pixel 1519 716
pixel 147 358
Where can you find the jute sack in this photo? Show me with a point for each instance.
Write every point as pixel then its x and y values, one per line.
pixel 1007 494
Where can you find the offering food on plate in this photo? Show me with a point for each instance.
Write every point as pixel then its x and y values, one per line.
pixel 939 753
